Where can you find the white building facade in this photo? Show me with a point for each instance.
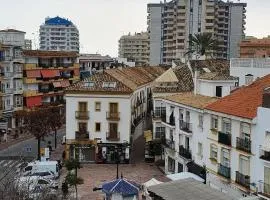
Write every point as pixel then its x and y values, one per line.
pixel 59 34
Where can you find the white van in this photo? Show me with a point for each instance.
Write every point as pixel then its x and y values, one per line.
pixel 42 166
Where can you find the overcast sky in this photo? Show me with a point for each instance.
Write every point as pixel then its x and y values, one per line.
pixel 102 22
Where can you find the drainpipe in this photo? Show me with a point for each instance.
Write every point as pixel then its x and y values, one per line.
pixel 195 81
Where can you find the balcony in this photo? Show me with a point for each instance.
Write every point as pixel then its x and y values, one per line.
pixel 171 121
pixel 168 143
pixel 243 144
pixel 186 153
pixel 82 135
pixel 224 138
pixel 242 179
pixel 264 189
pixel 224 171
pixel 84 115
pixel 112 136
pixel 185 126
pixel 113 116
pixel 265 155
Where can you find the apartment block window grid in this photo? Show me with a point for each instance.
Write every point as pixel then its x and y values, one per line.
pixel 214 122
pixel 226 125
pixel 214 152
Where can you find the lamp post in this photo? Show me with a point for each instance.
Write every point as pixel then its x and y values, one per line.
pixel 117 161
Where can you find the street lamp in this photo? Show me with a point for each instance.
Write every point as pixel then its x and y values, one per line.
pixel 117 159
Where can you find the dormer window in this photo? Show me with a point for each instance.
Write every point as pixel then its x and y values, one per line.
pixel 109 84
pixel 248 79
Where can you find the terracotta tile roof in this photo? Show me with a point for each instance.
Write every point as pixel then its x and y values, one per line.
pixel 94 84
pixel 244 101
pixel 216 76
pixel 184 84
pixel 39 53
pixel 190 99
pixel 134 77
pixel 12 30
pixel 218 68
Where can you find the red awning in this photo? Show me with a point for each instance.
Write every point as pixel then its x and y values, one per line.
pixel 33 74
pixel 33 101
pixel 57 84
pixel 65 83
pixel 50 73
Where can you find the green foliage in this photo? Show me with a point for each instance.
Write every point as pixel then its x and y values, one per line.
pixel 203 43
pixel 72 180
pixel 72 164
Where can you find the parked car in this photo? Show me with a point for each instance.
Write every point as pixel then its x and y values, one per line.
pixel 42 166
pixel 45 174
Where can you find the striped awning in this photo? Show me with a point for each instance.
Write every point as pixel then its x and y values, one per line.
pixel 57 84
pixel 65 83
pixel 33 74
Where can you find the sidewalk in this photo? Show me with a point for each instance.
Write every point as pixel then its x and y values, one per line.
pixel 11 140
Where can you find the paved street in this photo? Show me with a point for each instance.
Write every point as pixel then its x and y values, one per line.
pixel 28 148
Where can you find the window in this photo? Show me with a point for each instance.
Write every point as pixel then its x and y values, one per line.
pixel 98 127
pixel 245 131
pixel 244 165
pixel 113 107
pixel 225 157
pixel 248 79
pixel 214 122
pixel 97 106
pixel 200 121
pixel 200 149
pixel 213 152
pixel 226 125
pixel 218 91
pixel 160 132
pixel 83 106
pixel 82 127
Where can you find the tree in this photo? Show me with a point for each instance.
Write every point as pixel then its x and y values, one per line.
pixel 72 178
pixel 202 44
pixel 56 120
pixel 36 122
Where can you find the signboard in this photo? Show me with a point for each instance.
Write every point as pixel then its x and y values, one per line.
pixel 148 136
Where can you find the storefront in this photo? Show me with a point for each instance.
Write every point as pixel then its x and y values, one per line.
pixel 112 153
pixel 84 153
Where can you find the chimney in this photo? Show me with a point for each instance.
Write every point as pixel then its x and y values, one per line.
pixel 266 98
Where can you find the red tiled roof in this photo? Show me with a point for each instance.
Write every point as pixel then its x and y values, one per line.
pixel 39 53
pixel 244 101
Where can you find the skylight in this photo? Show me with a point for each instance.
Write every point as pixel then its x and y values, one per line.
pixel 109 84
pixel 206 70
pixel 88 84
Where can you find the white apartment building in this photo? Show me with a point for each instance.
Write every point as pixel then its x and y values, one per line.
pixel 170 25
pixel 249 69
pixel 11 63
pixel 135 48
pixel 103 110
pixel 59 34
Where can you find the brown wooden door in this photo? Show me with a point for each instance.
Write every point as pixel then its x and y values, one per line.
pixel 113 130
pixel 82 106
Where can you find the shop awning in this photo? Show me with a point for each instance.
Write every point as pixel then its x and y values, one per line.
pixel 57 84
pixel 65 83
pixel 33 101
pixel 33 74
pixel 50 73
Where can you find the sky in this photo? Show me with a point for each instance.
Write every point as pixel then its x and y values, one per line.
pixel 102 22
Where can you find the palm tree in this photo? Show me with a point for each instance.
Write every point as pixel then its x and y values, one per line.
pixel 202 44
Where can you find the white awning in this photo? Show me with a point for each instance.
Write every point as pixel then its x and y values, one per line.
pixel 152 182
pixel 266 143
pixel 184 175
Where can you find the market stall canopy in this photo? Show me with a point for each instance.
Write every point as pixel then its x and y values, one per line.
pixel 184 175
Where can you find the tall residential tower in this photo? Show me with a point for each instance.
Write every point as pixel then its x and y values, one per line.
pixel 170 24
pixel 59 34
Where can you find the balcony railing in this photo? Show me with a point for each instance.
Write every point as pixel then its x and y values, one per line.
pixel 186 153
pixel 224 138
pixel 113 116
pixel 82 115
pixel 113 136
pixel 185 126
pixel 168 143
pixel 82 135
pixel 265 155
pixel 243 144
pixel 264 189
pixel 242 179
pixel 224 171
